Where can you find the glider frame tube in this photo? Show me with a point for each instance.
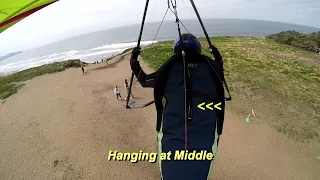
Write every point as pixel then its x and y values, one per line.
pixel 212 48
pixel 132 74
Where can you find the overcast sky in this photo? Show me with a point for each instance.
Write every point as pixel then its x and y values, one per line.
pixel 67 18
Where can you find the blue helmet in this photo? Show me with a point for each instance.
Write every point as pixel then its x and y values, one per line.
pixel 190 43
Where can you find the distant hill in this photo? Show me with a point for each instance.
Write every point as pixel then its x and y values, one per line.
pixel 9 55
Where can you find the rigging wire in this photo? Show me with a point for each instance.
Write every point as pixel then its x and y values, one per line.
pixel 160 25
pixel 212 49
pixel 136 79
pixel 180 19
pixel 181 22
pixel 192 16
pixel 155 37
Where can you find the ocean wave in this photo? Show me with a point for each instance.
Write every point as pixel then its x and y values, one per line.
pixel 121 45
pixel 86 55
pixel 79 56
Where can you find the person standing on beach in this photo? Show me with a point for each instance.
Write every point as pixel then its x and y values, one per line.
pixel 82 70
pixel 127 87
pixel 117 92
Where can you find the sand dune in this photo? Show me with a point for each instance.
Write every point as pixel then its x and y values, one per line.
pixel 62 126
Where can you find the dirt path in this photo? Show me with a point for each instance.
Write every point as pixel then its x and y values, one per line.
pixel 62 126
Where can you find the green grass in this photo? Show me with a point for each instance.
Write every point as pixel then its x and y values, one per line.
pixel 9 85
pixel 9 89
pixel 280 82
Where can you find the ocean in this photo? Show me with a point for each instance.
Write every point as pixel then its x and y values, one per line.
pixel 106 43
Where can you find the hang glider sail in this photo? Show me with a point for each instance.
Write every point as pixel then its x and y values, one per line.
pixel 12 11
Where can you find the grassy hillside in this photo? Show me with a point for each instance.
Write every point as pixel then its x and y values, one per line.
pixel 11 84
pixel 280 82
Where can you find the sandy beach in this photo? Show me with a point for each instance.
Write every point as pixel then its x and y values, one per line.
pixel 62 126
